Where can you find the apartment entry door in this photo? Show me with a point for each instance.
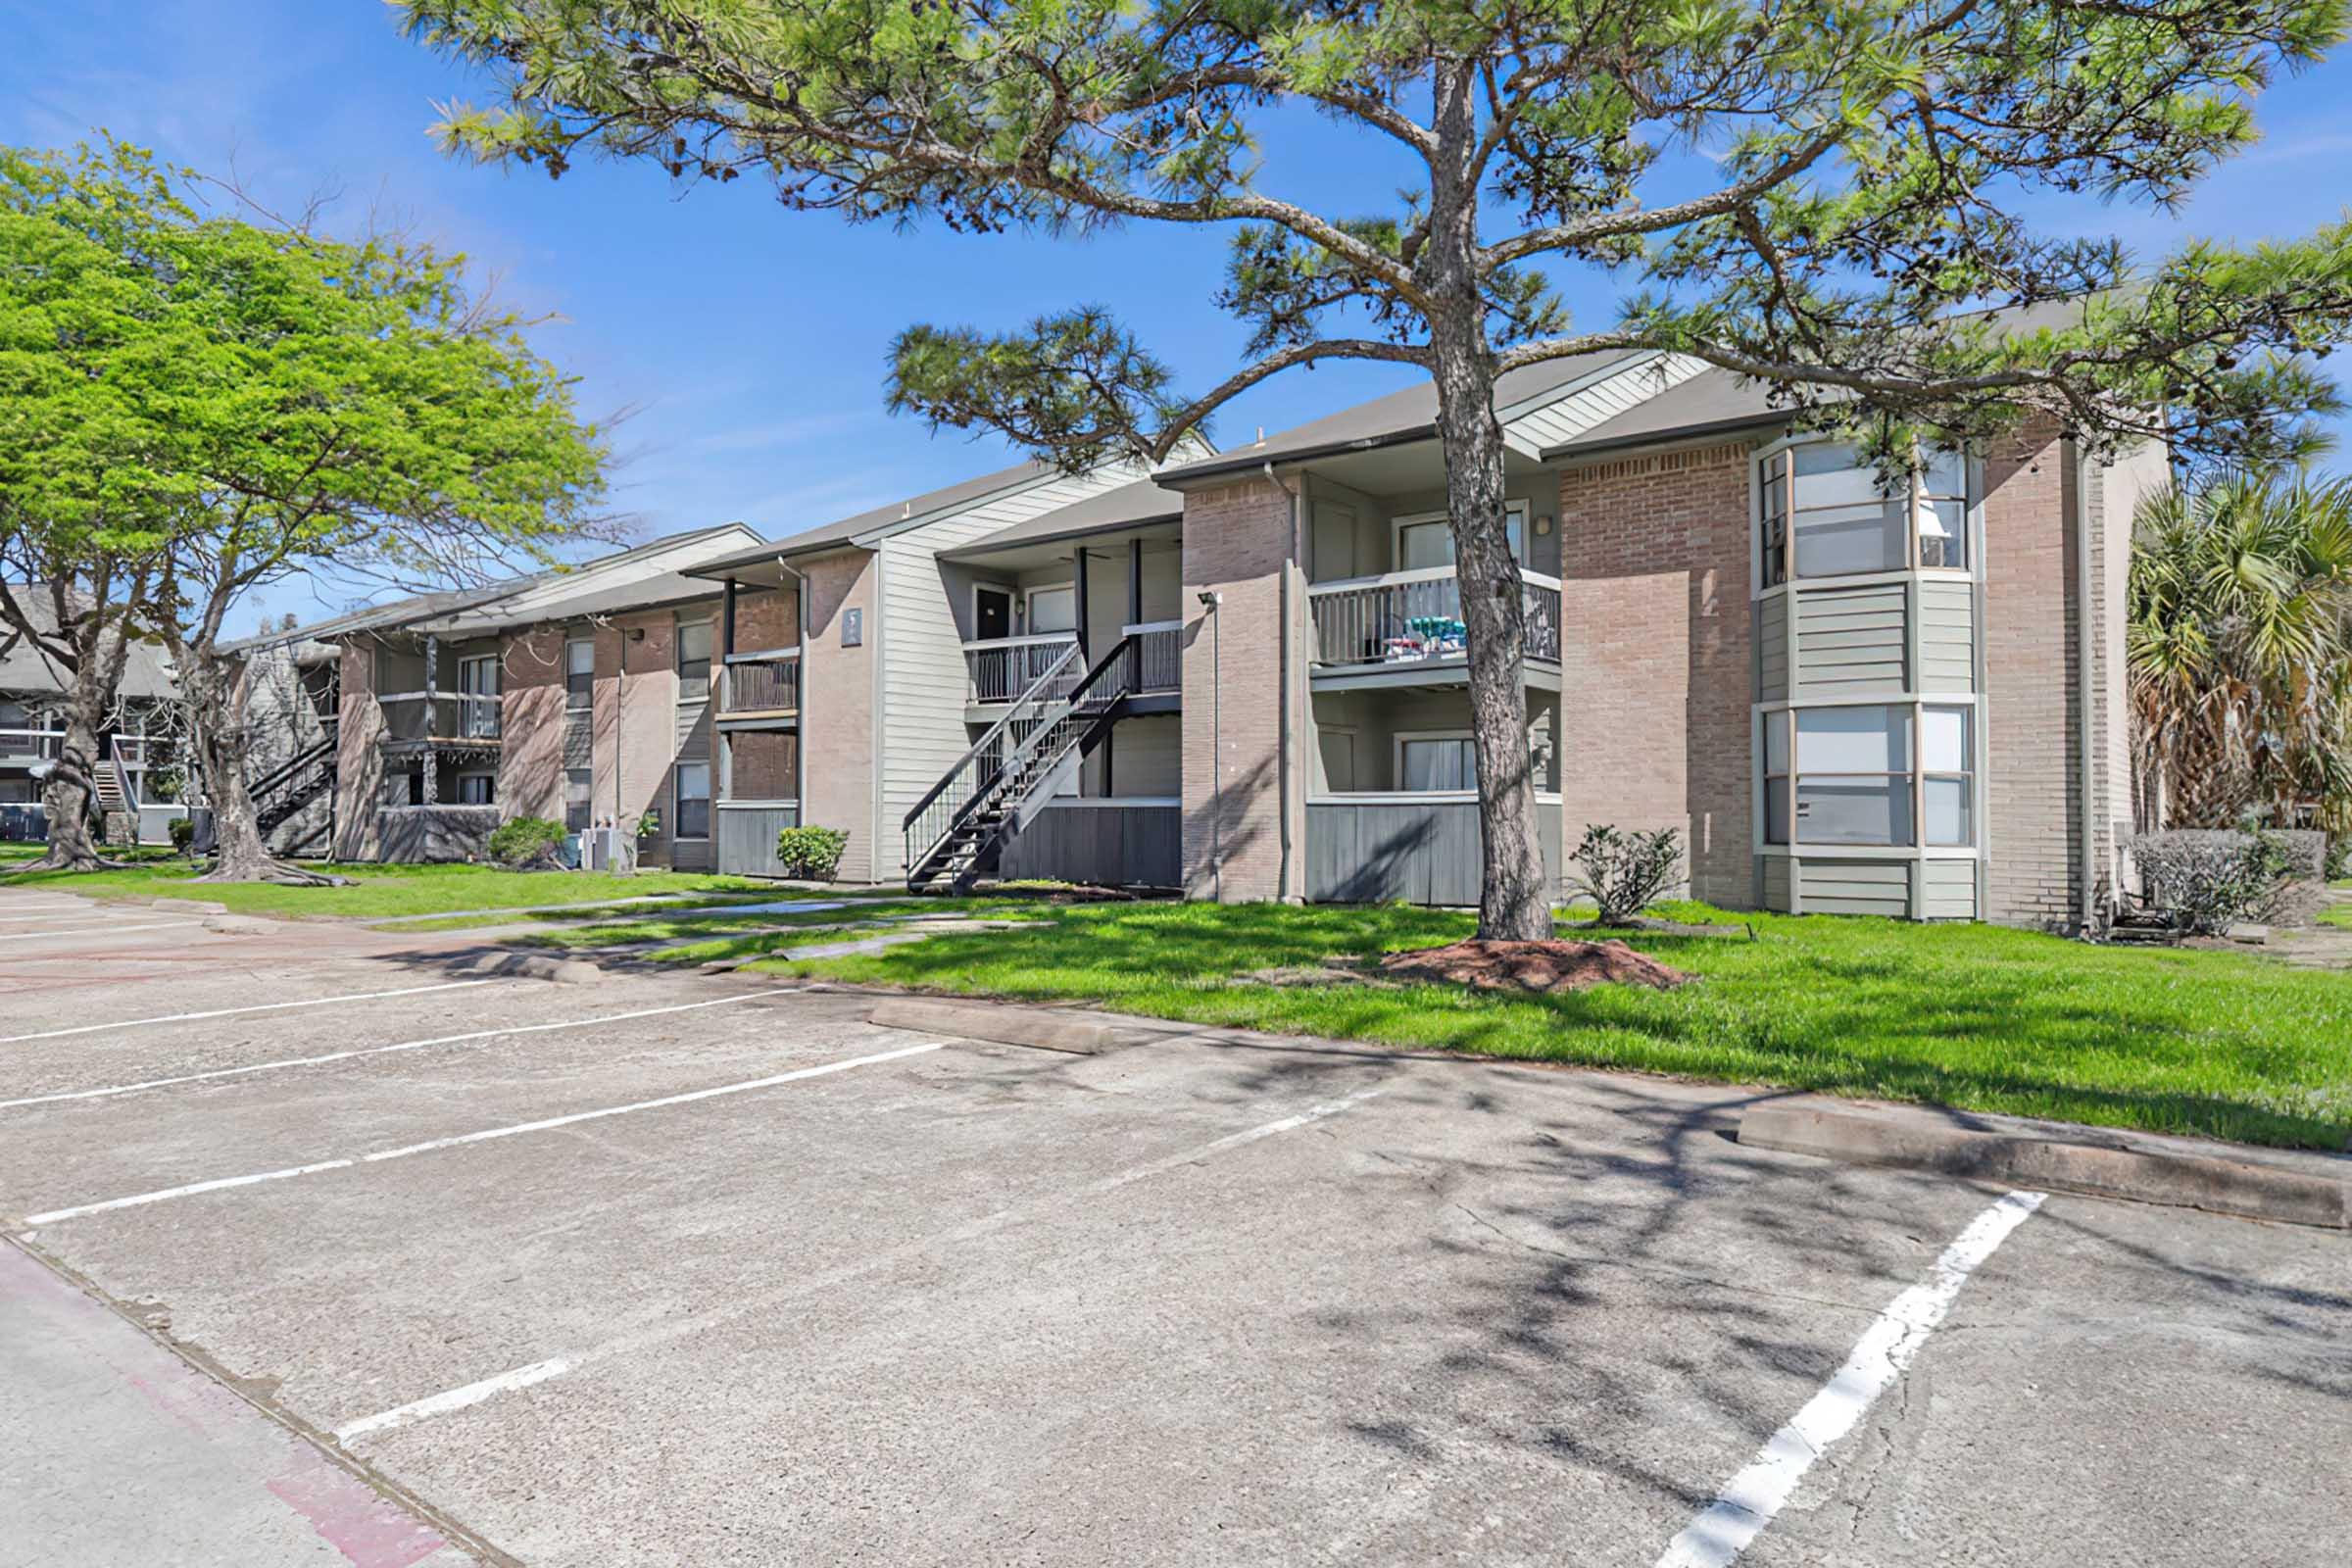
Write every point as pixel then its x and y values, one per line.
pixel 992 612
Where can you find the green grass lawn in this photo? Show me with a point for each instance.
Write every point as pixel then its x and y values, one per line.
pixel 385 890
pixel 1976 1016
pixel 733 935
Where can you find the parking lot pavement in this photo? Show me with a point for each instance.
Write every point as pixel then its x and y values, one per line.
pixel 668 1270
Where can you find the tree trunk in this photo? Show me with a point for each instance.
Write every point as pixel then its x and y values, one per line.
pixel 66 796
pixel 216 695
pixel 1514 900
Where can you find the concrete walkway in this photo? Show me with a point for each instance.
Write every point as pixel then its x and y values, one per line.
pixel 107 1438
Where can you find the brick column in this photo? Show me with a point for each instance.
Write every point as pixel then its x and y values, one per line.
pixel 1237 543
pixel 530 711
pixel 2032 784
pixel 1656 665
pixel 358 759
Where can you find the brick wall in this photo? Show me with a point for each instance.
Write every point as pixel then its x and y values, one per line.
pixel 767 618
pixel 837 706
pixel 359 765
pixel 530 707
pixel 1658 672
pixel 1235 541
pixel 2030 687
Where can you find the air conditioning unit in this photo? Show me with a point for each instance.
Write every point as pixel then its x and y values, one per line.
pixel 609 849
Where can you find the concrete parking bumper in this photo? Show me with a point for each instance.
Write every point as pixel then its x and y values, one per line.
pixel 2214 1183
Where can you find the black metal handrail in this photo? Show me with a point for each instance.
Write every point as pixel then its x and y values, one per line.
pixel 1048 687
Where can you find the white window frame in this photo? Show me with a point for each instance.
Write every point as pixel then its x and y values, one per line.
pixel 569 642
pixel 1398 739
pixel 1411 519
pixel 1029 607
pixel 677 796
pixel 1973 526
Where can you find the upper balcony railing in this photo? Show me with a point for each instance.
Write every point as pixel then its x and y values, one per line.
pixel 764 682
pixel 131 751
pixel 20 746
pixel 1001 669
pixel 454 717
pixel 1403 618
pixel 1159 657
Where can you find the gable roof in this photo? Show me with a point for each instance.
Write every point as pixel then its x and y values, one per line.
pixel 1711 403
pixel 1409 413
pixel 1136 504
pixel 881 521
pixel 25 669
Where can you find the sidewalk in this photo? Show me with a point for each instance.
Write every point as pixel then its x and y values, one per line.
pixel 107 1440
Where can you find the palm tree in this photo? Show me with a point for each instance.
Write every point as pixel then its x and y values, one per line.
pixel 2240 650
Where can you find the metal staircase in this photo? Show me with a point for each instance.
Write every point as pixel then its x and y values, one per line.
pixel 956 832
pixel 293 784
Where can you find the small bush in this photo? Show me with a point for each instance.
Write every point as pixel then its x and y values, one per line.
pixel 2338 864
pixel 2209 879
pixel 810 853
pixel 183 834
pixel 1625 873
pixel 526 844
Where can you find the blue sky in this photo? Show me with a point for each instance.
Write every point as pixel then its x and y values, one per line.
pixel 747 342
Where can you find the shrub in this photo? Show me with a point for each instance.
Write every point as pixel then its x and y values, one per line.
pixel 183 834
pixel 526 844
pixel 2209 879
pixel 812 854
pixel 1625 873
pixel 2338 864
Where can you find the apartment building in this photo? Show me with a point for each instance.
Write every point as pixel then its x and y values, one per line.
pixel 136 780
pixel 581 695
pixel 1245 676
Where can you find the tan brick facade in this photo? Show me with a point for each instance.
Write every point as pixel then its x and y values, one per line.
pixel 1237 541
pixel 1656 676
pixel 530 704
pixel 359 765
pixel 2032 692
pixel 837 708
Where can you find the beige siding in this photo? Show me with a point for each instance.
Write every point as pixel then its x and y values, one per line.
pixel 923 688
pixel 1849 640
pixel 1772 663
pixel 1776 882
pixel 1855 887
pixel 1947 636
pixel 1530 428
pixel 1148 757
pixel 1949 892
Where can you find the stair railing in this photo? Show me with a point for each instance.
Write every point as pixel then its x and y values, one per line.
pixel 1048 732
pixel 974 773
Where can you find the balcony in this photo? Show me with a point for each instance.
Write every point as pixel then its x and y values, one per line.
pixel 1401 627
pixel 22 747
pixel 1159 657
pixel 440 718
pixel 1001 669
pixel 762 685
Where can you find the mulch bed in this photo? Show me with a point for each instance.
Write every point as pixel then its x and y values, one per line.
pixel 1554 965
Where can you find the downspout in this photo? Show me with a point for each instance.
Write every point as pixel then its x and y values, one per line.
pixel 800 699
pixel 1282 720
pixel 2084 725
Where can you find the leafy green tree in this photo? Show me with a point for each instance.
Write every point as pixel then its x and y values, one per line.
pixel 1873 165
pixel 83 514
pixel 308 405
pixel 2240 650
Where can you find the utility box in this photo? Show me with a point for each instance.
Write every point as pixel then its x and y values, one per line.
pixel 609 849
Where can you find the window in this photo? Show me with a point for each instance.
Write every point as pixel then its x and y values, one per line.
pixel 1948 763
pixel 694 799
pixel 476 789
pixel 1426 540
pixel 477 697
pixel 694 660
pixel 1826 514
pixel 1447 761
pixel 1053 610
pixel 578 783
pixel 1843 776
pixel 580 674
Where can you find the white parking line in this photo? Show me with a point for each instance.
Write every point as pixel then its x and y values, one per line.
pixel 223 1012
pixel 51 912
pixel 1747 1505
pixel 371 1051
pixel 104 930
pixel 433 1146
pixel 522 1377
